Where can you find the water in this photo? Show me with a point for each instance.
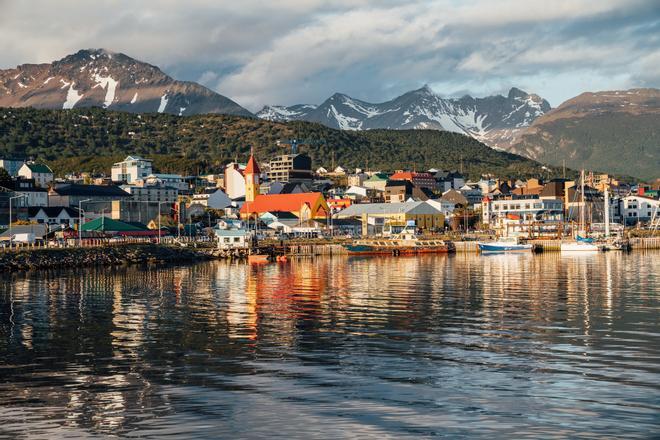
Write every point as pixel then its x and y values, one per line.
pixel 453 346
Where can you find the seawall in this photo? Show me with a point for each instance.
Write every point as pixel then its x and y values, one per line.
pixel 28 259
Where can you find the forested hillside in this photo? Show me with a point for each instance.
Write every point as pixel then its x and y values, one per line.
pixel 92 139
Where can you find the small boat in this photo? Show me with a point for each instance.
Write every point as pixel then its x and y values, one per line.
pixel 578 246
pixel 258 259
pixel 509 244
pixel 404 243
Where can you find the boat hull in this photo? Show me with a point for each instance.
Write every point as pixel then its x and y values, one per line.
pixel 361 249
pixel 579 247
pixel 503 247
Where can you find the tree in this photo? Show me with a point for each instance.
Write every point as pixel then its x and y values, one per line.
pixel 5 179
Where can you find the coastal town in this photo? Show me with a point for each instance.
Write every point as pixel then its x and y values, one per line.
pixel 289 198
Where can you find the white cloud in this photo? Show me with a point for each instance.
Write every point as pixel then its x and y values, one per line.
pixel 304 50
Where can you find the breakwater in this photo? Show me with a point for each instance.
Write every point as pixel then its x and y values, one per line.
pixel 29 259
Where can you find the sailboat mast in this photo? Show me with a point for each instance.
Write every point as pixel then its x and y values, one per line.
pixel 582 206
pixel 607 211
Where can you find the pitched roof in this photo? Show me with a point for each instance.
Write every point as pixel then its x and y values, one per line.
pixel 280 202
pixel 252 167
pixel 39 168
pixel 388 208
pixel 52 211
pixel 107 224
pixel 74 189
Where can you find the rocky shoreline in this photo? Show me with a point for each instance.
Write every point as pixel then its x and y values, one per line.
pixel 31 259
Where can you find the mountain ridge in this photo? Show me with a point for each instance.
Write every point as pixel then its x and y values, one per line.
pixel 112 80
pixel 492 119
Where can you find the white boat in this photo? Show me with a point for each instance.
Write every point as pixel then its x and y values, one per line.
pixel 509 244
pixel 578 246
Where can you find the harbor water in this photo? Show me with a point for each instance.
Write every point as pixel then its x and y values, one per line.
pixel 455 346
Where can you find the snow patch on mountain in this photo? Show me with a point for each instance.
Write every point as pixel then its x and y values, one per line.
pixel 163 103
pixel 110 83
pixel 72 97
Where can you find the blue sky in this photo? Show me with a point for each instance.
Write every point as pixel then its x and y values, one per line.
pixel 295 51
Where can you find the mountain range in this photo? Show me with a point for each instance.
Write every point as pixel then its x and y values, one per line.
pixel 494 120
pixel 100 78
pixel 615 131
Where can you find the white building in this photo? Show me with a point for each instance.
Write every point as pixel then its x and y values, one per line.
pixel 172 180
pixel 11 166
pixel 522 215
pixel 213 198
pixel 234 238
pixel 234 181
pixel 41 173
pixel 131 169
pixel 152 193
pixel 446 207
pixel 54 216
pixel 638 209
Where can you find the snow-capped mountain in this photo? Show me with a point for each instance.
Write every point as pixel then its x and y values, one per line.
pixel 97 77
pixel 494 120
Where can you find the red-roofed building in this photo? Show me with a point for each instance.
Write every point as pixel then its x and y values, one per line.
pixel 303 205
pixel 252 175
pixel 422 180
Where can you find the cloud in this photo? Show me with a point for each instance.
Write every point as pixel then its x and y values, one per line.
pixel 294 51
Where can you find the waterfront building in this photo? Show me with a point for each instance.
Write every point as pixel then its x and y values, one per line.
pixel 232 238
pixel 41 173
pixel 131 169
pixel 54 216
pixel 636 209
pixel 522 214
pixel 376 217
pixel 291 168
pixel 304 206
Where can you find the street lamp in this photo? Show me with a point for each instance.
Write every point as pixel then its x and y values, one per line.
pixel 10 199
pixel 80 219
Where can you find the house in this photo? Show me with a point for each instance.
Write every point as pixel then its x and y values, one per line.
pixel 54 215
pixel 472 194
pixel 376 181
pixel 421 180
pixel 444 206
pixel 446 180
pixel 401 190
pixel 41 173
pixel 233 238
pixel 339 171
pixel 357 179
pixel 213 198
pixel 304 205
pixel 34 195
pixel 377 217
pixel 321 171
pixel 639 209
pixel 12 166
pixel 455 197
pixel 356 192
pixel 131 169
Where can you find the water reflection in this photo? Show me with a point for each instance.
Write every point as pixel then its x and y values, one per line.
pixel 463 345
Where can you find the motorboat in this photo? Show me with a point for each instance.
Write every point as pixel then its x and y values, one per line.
pixel 508 244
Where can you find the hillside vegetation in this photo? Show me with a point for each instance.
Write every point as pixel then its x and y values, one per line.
pixel 92 139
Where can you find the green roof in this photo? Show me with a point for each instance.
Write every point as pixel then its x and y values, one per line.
pixel 377 177
pixel 105 224
pixel 38 168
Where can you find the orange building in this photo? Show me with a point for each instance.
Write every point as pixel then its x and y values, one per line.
pixel 303 205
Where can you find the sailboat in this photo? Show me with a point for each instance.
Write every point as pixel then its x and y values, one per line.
pixel 582 243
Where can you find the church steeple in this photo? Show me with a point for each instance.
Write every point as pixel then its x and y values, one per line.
pixel 252 181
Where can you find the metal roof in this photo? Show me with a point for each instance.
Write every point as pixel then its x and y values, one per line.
pixel 359 209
